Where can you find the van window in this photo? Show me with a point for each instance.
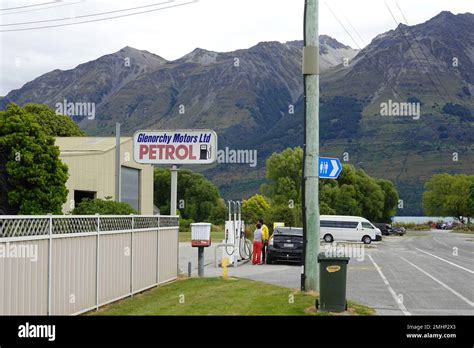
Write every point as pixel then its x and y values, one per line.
pixel 367 225
pixel 338 224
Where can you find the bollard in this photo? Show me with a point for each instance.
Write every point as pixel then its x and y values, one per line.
pixel 225 270
pixel 189 269
pixel 201 261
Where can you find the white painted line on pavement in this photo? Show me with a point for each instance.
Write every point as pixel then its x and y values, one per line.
pixel 451 263
pixel 451 246
pixel 440 283
pixel 390 289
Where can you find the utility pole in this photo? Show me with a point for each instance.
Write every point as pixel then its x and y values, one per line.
pixel 174 190
pixel 310 274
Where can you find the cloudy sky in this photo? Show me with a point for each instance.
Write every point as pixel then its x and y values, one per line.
pixel 172 29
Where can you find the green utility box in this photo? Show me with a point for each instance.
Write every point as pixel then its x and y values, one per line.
pixel 332 283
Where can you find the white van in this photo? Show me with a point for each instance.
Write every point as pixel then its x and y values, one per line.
pixel 348 228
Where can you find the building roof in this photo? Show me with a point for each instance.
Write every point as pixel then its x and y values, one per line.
pixel 87 145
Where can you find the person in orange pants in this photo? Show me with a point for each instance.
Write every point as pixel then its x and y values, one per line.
pixel 257 245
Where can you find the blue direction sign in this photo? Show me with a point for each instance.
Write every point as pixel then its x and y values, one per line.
pixel 329 168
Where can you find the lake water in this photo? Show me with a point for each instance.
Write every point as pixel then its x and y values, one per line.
pixel 421 219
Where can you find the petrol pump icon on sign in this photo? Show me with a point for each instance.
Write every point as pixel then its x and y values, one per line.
pixel 205 152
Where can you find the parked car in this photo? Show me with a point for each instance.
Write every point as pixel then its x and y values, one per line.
pixel 399 230
pixel 348 228
pixel 451 224
pixel 285 244
pixel 386 229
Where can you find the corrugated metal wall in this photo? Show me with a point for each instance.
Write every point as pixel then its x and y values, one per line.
pixel 68 276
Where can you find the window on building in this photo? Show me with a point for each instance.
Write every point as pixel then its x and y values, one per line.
pixel 130 187
pixel 79 196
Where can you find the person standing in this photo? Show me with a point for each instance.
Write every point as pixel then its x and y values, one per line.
pixel 257 245
pixel 265 237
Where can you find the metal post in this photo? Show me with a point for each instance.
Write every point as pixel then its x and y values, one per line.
pixel 189 269
pixel 239 226
pixel 50 260
pixel 174 190
pixel 201 261
pixel 97 264
pixel 118 176
pixel 131 259
pixel 158 251
pixel 311 153
pixel 234 228
pixel 239 214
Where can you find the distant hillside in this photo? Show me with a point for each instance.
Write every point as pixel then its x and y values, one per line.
pixel 253 99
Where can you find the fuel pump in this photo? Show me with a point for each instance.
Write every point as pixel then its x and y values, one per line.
pixel 235 235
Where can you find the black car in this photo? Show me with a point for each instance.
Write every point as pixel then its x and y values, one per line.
pixel 399 230
pixel 386 229
pixel 286 244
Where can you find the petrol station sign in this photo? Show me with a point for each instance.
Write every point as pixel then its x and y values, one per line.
pixel 175 147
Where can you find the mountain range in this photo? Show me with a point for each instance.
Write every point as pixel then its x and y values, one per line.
pixel 253 99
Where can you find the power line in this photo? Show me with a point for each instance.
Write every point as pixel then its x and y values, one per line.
pixel 421 50
pixel 87 16
pixel 44 8
pixel 342 25
pixel 99 20
pixel 412 50
pixel 350 24
pixel 35 5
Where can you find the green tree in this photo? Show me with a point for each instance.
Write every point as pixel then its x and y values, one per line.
pixel 353 193
pixel 52 123
pixel 370 196
pixel 470 203
pixel 282 213
pixel 448 195
pixel 198 198
pixel 284 171
pixel 254 208
pixel 390 199
pixel 103 207
pixel 325 209
pixel 345 201
pixel 30 168
pixel 218 213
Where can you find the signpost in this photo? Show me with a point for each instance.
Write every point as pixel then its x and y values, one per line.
pixel 174 147
pixel 329 168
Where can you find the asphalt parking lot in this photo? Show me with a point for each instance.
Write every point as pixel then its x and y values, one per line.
pixel 429 273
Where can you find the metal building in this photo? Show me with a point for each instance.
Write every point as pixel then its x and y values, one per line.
pixel 91 163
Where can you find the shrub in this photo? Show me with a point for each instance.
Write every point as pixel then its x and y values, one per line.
pixel 103 207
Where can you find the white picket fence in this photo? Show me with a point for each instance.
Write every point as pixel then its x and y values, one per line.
pixel 69 264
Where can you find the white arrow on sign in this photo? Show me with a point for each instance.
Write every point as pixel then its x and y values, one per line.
pixel 335 168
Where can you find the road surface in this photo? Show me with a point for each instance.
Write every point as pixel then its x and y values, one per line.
pixel 429 273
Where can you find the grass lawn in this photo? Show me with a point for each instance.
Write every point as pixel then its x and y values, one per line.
pixel 216 296
pixel 216 236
